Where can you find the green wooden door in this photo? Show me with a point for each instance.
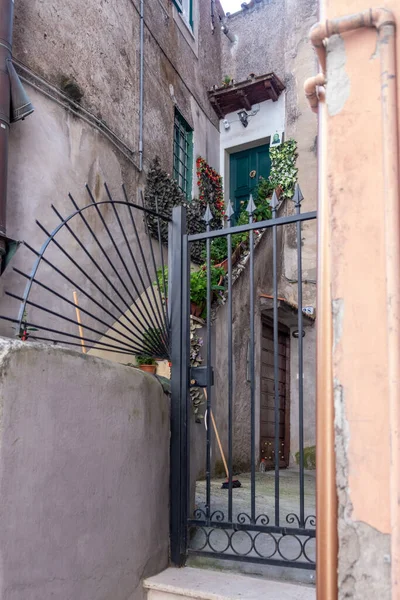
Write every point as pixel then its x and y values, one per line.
pixel 246 168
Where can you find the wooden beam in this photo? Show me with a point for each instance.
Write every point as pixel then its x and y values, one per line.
pixel 216 107
pixel 245 99
pixel 272 92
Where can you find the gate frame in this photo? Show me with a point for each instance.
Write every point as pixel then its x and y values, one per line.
pixel 179 318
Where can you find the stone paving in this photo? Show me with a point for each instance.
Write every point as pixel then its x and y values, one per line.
pixel 263 545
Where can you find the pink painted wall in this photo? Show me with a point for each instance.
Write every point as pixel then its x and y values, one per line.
pixel 351 181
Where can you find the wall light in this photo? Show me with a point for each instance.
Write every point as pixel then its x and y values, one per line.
pixel 244 118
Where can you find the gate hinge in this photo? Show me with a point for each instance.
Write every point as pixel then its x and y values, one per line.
pixel 199 375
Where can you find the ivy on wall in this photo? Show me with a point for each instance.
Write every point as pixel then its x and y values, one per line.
pixel 283 173
pixel 163 193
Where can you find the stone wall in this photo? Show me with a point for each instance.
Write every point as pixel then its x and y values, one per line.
pixel 84 476
pixel 54 152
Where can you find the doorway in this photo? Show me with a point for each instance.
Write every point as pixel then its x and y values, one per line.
pixel 267 391
pixel 246 168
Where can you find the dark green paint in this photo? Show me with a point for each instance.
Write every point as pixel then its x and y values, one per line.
pixel 241 185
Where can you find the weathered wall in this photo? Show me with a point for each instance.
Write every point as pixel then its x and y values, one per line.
pixel 352 190
pixel 84 476
pixel 55 152
pixel 272 36
pixel 241 336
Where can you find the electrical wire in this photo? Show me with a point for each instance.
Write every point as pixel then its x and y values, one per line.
pixel 68 104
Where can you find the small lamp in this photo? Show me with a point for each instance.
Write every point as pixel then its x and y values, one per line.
pixel 244 118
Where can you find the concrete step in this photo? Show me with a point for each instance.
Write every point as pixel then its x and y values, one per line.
pixel 201 584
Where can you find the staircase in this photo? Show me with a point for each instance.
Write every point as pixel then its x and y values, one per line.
pixel 201 584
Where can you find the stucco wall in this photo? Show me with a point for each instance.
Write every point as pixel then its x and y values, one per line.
pixel 352 190
pixel 84 476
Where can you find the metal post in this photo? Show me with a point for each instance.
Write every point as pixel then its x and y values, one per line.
pixel 179 324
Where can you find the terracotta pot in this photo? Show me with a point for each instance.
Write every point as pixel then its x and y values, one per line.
pixel 196 309
pixel 279 191
pixel 223 265
pixel 148 368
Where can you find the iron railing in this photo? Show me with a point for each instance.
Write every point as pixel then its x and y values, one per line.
pixel 104 253
pixel 234 534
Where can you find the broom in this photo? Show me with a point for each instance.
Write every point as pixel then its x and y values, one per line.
pixel 235 482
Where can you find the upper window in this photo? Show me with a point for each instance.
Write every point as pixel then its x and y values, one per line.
pixel 183 154
pixel 185 7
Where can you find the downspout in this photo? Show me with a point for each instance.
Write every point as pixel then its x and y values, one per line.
pixel 384 22
pixel 141 86
pixel 6 22
pixel 14 105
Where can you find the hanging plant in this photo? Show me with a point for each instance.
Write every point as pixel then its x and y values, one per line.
pixel 209 182
pixel 163 192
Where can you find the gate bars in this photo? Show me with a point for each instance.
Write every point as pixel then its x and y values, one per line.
pixel 267 538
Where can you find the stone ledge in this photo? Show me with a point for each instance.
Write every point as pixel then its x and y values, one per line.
pixel 201 584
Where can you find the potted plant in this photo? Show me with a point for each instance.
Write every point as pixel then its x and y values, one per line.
pixel 146 363
pixel 198 287
pixel 227 80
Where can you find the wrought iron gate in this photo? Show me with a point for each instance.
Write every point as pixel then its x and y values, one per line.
pixel 235 531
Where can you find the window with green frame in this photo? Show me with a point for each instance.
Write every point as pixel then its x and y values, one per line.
pixel 183 154
pixel 185 7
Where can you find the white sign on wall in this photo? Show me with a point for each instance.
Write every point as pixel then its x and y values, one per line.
pixel 276 139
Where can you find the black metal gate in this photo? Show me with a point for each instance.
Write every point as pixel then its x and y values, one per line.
pixel 227 528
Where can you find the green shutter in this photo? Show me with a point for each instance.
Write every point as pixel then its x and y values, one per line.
pixel 183 154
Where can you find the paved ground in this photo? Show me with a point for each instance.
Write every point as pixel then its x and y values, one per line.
pixel 263 545
pixel 265 494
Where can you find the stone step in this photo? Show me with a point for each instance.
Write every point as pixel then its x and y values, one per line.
pixel 201 584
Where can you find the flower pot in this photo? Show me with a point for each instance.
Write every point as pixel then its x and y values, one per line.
pixel 148 368
pixel 224 265
pixel 196 309
pixel 279 191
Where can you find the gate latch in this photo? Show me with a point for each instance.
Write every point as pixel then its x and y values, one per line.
pixel 198 376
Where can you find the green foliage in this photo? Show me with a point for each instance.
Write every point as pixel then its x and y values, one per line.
pixel 163 192
pixel 283 167
pixel 309 457
pixel 196 344
pixel 198 282
pixel 262 196
pixel 144 359
pixel 241 238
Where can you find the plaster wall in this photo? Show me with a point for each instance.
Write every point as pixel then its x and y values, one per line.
pixel 352 141
pixel 269 118
pixel 54 152
pixel 84 476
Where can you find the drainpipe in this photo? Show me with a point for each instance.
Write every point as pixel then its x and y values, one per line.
pixel 14 105
pixel 231 37
pixel 141 87
pixel 6 21
pixel 384 22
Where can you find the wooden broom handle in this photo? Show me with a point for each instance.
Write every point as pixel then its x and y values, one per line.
pixel 218 439
pixel 78 318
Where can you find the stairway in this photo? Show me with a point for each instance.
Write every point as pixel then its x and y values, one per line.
pixel 203 584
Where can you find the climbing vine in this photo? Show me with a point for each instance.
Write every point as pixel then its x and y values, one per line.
pixel 283 168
